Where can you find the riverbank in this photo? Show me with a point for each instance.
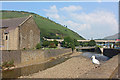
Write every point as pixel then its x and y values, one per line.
pixel 77 67
pixel 72 68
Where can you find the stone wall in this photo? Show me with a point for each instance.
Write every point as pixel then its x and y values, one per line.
pixel 55 52
pixel 37 56
pixel 12 40
pixel 29 34
pixel 110 52
pixel 32 56
pixel 11 55
pixel 27 57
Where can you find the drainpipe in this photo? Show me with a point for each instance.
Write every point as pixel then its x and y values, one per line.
pixel 8 42
pixel 18 37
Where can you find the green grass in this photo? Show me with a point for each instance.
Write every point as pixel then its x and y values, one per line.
pixel 47 27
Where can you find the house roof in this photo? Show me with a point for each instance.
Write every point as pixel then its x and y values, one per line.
pixel 12 23
pixel 117 39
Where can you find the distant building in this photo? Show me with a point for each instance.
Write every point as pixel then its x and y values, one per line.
pixel 117 40
pixel 19 33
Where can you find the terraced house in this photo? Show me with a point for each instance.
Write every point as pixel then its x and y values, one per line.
pixel 19 33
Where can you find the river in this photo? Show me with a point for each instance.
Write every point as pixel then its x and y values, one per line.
pixel 98 56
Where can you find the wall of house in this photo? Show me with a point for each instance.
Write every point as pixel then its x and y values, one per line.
pixel 13 40
pixel 29 34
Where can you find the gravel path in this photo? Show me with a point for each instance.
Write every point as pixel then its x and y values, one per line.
pixel 72 68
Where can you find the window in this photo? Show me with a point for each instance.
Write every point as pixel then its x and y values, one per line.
pixel 6 37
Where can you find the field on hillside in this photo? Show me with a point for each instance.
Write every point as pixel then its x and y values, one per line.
pixel 48 28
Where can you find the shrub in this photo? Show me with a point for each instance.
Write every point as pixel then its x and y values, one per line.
pixel 56 42
pixel 38 46
pixel 8 64
pixel 67 42
pixel 77 49
pixel 85 43
pixel 4 64
pixel 76 43
pixel 24 48
pixel 45 43
pixel 52 45
pixel 68 39
pixel 99 46
pixel 11 63
pixel 91 43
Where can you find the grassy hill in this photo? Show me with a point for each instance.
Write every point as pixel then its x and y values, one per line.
pixel 112 37
pixel 48 28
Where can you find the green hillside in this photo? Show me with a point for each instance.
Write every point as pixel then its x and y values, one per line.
pixel 48 28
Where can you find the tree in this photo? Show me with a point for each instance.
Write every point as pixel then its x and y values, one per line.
pixel 85 43
pixel 68 39
pixel 72 47
pixel 56 42
pixel 45 43
pixel 69 42
pixel 92 43
pixel 76 43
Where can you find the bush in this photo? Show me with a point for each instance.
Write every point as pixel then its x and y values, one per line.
pixel 38 46
pixel 67 42
pixel 91 43
pixel 77 49
pixel 8 64
pixel 52 45
pixel 55 42
pixel 4 64
pixel 85 44
pixel 99 46
pixel 45 43
pixel 24 48
pixel 68 39
pixel 76 43
pixel 11 63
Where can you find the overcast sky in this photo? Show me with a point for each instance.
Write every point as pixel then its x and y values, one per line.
pixel 88 19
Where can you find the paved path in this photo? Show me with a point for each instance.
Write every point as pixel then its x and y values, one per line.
pixel 106 70
pixel 75 67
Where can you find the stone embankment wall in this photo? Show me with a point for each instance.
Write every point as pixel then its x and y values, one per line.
pixel 27 57
pixel 8 55
pixel 54 53
pixel 94 49
pixel 109 52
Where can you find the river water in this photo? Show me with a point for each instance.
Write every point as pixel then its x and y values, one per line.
pixel 98 56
